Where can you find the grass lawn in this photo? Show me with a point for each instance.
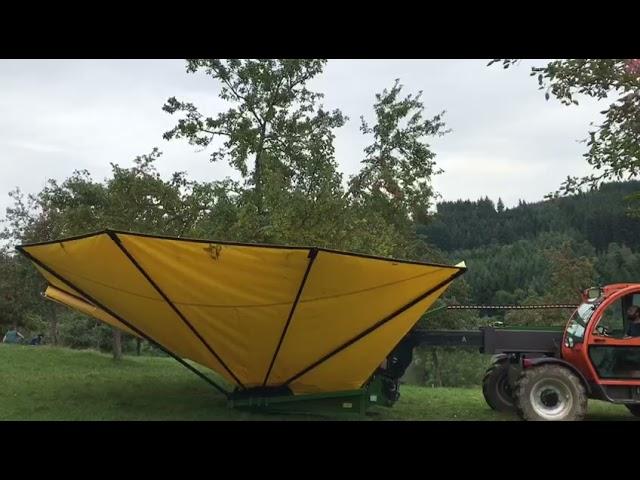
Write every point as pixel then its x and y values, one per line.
pixel 46 383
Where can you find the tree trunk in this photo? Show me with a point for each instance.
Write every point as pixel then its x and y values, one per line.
pixel 436 367
pixel 258 170
pixel 117 344
pixel 53 327
pixel 138 343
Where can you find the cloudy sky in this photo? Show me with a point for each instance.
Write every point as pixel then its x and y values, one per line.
pixel 58 116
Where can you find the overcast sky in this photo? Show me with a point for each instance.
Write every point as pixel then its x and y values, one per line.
pixel 57 116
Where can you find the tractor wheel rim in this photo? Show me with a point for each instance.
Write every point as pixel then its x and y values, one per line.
pixel 551 399
pixel 504 389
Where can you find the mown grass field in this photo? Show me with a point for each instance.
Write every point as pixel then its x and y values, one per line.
pixel 45 383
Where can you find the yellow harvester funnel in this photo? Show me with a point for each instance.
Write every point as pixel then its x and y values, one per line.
pixel 312 319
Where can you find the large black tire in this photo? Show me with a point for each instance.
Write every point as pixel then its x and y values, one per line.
pixel 550 393
pixel 496 388
pixel 634 409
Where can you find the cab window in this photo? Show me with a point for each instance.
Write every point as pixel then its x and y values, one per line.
pixel 612 321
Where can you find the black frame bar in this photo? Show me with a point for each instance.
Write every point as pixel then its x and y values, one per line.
pixel 122 320
pixel 491 340
pixel 448 338
pixel 239 244
pixel 374 327
pixel 505 340
pixel 116 240
pixel 312 258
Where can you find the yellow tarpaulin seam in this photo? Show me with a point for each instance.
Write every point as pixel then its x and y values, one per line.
pixel 372 328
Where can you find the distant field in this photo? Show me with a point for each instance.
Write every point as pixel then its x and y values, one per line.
pixel 45 383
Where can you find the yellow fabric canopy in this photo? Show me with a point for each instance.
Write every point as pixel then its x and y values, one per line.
pixel 312 319
pixel 82 305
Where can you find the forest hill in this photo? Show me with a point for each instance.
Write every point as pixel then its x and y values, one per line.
pixel 540 252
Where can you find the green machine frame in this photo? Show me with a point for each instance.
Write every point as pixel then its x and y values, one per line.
pixel 347 402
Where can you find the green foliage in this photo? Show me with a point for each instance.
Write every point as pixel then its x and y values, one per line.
pixel 82 332
pixel 276 136
pixel 558 247
pixel 614 146
pixel 393 188
pixel 449 367
pixel 618 264
pixel 600 217
pixel 281 142
pixel 399 164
